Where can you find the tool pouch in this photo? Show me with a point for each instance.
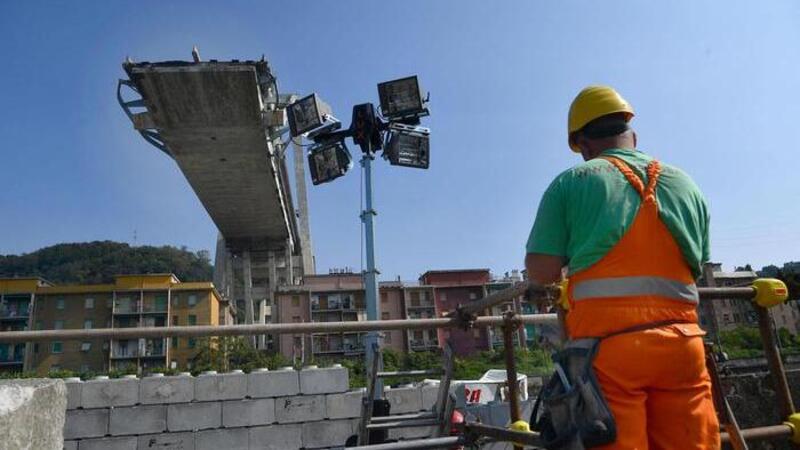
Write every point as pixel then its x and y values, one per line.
pixel 574 413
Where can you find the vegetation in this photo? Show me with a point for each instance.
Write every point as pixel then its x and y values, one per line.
pixel 745 342
pixel 99 261
pixel 224 354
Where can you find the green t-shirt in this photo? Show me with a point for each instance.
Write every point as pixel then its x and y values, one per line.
pixel 588 208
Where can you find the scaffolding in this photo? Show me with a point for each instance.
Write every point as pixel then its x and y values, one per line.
pixel 467 316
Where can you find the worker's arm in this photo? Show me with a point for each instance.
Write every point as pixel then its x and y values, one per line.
pixel 544 269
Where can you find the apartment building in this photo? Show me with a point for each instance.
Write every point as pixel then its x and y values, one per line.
pixel 517 305
pixel 154 300
pixel 454 287
pixel 336 297
pixel 419 304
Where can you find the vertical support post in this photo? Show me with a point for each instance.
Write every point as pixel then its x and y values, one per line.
pixel 708 306
pixel 509 329
pixel 248 292
pixel 372 342
pixel 273 288
pixel 774 361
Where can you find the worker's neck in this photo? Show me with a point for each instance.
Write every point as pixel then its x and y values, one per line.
pixel 590 154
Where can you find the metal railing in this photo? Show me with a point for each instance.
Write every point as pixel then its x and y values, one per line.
pixel 466 315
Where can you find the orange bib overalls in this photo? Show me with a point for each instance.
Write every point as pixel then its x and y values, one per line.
pixel 655 381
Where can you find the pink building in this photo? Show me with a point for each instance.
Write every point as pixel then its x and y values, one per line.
pixel 454 287
pixel 337 297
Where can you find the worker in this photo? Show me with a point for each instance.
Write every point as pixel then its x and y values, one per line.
pixel 632 235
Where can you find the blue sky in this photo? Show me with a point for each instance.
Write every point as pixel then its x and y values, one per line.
pixel 714 85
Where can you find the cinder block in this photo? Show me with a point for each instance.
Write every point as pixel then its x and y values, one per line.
pixel 404 400
pixel 276 437
pixel 167 441
pixel 226 386
pixel 115 443
pixel 430 394
pixel 303 408
pixel 228 439
pixel 194 416
pixel 105 393
pixel 179 389
pixel 345 405
pixel 74 388
pixel 328 433
pixel 70 445
pixel 138 420
pixel 412 433
pixel 86 423
pixel 276 383
pixel 330 380
pixel 245 413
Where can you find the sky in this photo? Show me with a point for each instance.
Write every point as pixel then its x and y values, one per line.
pixel 714 86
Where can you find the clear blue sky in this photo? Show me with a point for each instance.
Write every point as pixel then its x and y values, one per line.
pixel 714 84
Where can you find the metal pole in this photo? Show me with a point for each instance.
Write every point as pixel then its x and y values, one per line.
pixel 774 361
pixel 372 342
pixel 509 327
pixel 276 328
pixel 417 444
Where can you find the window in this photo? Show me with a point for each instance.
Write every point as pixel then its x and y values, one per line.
pixel 384 316
pixel 57 348
pixel 87 324
pixel 84 368
pixel 175 300
pixel 387 338
pixel 105 345
pixel 191 320
pixel 443 296
pixel 174 321
pixel 473 296
pixel 36 347
pixel 476 332
pixel 59 303
pixel 58 325
pixel 384 297
pixel 296 319
pixel 108 303
pixel 88 303
pixel 174 342
pixel 39 325
pixel 191 342
pixel 295 300
pixel 191 300
pixel 298 341
pixel 86 346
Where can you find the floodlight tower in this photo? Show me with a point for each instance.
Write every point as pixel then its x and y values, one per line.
pixel 396 131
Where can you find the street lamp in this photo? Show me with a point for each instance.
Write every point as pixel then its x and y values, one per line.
pixel 402 104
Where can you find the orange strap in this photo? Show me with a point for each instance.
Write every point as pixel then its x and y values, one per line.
pixel 653 171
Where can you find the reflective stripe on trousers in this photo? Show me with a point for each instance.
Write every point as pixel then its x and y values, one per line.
pixel 635 286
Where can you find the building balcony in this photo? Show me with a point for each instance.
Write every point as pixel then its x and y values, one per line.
pixel 15 311
pixel 427 305
pixel 15 360
pixel 423 344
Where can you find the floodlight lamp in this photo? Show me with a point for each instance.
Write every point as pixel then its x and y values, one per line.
pixel 402 98
pixel 328 161
pixel 307 114
pixel 408 146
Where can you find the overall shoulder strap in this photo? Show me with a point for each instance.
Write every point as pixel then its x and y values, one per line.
pixel 653 171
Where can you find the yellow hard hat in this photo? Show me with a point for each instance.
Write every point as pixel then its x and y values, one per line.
pixel 591 103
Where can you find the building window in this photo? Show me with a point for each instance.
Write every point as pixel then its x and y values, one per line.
pixel 174 321
pixel 295 300
pixel 473 296
pixel 88 303
pixel 191 320
pixel 108 303
pixel 87 324
pixel 59 303
pixel 298 341
pixel 384 316
pixel 384 297
pixel 443 296
pixel 86 346
pixel 57 347
pixel 175 300
pixel 296 319
pixel 174 342
pixel 387 338
pixel 191 300
pixel 476 332
pixel 58 325
pixel 36 347
pixel 84 368
pixel 105 345
pixel 39 325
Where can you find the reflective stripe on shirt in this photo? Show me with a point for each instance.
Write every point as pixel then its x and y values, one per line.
pixel 635 286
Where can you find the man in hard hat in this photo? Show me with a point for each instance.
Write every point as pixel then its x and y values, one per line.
pixel 633 235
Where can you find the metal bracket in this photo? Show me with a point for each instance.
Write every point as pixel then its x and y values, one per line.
pixel 151 136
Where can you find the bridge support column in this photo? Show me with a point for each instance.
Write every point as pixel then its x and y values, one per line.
pixel 247 274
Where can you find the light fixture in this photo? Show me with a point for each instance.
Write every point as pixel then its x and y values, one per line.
pixel 307 114
pixel 328 161
pixel 402 98
pixel 408 146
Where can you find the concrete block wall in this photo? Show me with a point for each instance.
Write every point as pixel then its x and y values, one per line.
pixel 265 409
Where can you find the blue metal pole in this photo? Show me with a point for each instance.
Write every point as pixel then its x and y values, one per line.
pixel 372 341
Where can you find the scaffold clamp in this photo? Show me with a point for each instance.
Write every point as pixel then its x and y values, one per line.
pixel 770 292
pixel 793 422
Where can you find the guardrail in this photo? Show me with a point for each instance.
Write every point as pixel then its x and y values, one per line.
pixel 466 315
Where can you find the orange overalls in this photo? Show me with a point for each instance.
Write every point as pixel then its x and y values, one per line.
pixel 655 381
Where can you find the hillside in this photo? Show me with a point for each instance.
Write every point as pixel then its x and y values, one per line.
pixel 99 261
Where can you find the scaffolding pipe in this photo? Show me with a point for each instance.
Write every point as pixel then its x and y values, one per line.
pixel 419 444
pixel 775 362
pixel 771 432
pixel 509 328
pixel 269 328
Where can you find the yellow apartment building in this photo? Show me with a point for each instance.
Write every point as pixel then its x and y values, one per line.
pixel 153 300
